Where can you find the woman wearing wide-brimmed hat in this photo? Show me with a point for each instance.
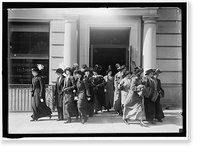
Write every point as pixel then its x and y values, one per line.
pixel 90 103
pixel 117 93
pixel 159 115
pixel 98 84
pixel 83 94
pixel 38 105
pixel 58 93
pixel 68 101
pixel 133 103
pixel 149 105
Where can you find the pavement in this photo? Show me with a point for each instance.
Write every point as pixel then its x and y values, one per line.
pixel 105 122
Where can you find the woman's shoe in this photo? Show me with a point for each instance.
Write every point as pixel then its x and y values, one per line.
pixel 83 121
pixel 68 121
pixel 152 122
pixel 126 121
pixel 76 118
pixel 50 116
pixel 142 124
pixel 160 120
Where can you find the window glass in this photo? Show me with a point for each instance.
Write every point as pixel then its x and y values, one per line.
pixel 29 46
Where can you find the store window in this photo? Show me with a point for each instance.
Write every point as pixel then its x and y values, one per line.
pixel 28 46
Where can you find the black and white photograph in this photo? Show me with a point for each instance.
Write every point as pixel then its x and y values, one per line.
pixel 94 69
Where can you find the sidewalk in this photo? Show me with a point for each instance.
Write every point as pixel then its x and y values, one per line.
pixel 105 122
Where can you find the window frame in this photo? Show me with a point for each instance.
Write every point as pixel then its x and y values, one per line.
pixel 27 56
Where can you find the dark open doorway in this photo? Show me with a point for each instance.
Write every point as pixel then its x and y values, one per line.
pixel 109 56
pixel 109 46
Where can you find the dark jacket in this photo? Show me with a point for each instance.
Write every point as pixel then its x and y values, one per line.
pixel 69 86
pixel 38 92
pixel 83 90
pixel 159 88
pixel 59 91
pixel 38 87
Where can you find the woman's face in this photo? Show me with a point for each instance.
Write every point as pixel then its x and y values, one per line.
pixel 151 74
pixel 87 73
pixel 78 76
pixel 59 74
pixel 34 73
pixel 67 72
pixel 156 76
pixel 110 73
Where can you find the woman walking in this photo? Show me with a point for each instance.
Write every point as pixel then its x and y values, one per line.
pixel 68 101
pixel 159 115
pixel 58 94
pixel 90 103
pixel 39 106
pixel 149 105
pixel 98 83
pixel 117 93
pixel 82 94
pixel 109 89
pixel 124 86
pixel 133 103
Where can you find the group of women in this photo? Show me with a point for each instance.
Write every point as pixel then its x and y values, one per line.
pixel 81 93
pixel 137 97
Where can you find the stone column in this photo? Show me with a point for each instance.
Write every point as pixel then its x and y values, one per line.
pixel 70 40
pixel 149 42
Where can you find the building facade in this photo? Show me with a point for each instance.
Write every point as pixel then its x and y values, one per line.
pixel 150 36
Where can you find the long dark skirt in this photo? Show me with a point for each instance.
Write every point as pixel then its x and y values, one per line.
pixel 39 108
pixel 100 94
pixel 150 109
pixel 70 109
pixel 159 112
pixel 89 108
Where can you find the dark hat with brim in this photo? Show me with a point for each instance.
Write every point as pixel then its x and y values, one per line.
pixel 157 71
pixel 68 69
pixel 138 70
pixel 87 70
pixel 127 73
pixel 79 72
pixel 97 68
pixel 149 71
pixel 121 67
pixel 59 70
pixel 35 69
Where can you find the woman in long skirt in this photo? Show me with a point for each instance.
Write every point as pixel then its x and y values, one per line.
pixel 83 94
pixel 90 103
pixel 133 104
pixel 69 108
pixel 149 105
pixel 109 89
pixel 39 106
pixel 58 94
pixel 159 115
pixel 124 86
pixel 98 84
pixel 117 93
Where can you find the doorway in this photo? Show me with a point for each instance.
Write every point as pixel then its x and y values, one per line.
pixel 109 46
